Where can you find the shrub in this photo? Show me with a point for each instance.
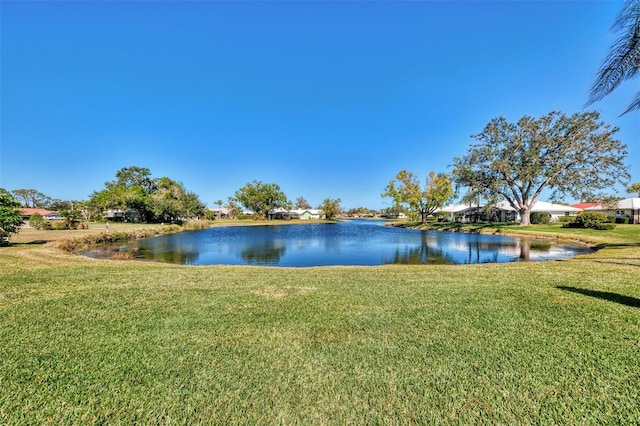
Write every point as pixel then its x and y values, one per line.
pixel 623 220
pixel 540 218
pixel 169 229
pixel 566 219
pixel 591 220
pixel 58 225
pixel 192 225
pixel 36 221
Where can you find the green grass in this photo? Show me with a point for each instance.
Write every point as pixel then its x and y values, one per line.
pixel 86 341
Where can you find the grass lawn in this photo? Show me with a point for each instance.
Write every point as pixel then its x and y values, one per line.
pixel 85 341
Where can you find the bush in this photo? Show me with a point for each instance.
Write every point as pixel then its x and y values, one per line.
pixel 59 225
pixel 591 220
pixel 624 220
pixel 192 225
pixel 170 229
pixel 566 219
pixel 36 221
pixel 540 218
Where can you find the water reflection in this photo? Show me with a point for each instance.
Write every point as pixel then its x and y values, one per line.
pixel 425 253
pixel 356 242
pixel 263 253
pixel 179 251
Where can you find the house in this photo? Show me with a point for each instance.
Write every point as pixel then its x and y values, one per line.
pixel 221 212
pixel 302 214
pixel 279 213
pixel 458 212
pixel 629 208
pixel 117 215
pixel 502 212
pixel 46 214
pixel 555 210
pixel 306 214
pixel 400 215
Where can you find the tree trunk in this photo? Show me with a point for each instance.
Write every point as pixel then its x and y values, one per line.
pixel 525 216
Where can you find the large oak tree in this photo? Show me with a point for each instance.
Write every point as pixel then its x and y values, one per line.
pixel 155 199
pixel 261 198
pixel 568 155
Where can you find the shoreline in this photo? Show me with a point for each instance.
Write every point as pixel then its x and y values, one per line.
pixel 491 229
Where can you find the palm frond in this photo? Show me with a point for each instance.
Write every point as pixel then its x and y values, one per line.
pixel 635 104
pixel 623 60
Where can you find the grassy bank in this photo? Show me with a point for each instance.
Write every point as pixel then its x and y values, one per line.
pixel 86 341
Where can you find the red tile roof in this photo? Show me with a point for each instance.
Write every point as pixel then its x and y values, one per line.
pixel 30 211
pixel 584 205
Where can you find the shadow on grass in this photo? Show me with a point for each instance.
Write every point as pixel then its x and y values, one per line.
pixel 605 295
pixel 618 261
pixel 28 243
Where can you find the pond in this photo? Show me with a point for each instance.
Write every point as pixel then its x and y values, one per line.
pixel 352 242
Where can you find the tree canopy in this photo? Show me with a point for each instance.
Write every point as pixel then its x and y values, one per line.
pixel 155 199
pixel 301 203
pixel 261 198
pixel 568 155
pixel 31 198
pixel 171 201
pixel 405 191
pixel 330 207
pixel 10 216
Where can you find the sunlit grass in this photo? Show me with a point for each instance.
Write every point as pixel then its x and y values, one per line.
pixel 85 341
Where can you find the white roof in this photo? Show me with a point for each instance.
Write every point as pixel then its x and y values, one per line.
pixel 453 208
pixel 626 204
pixel 629 203
pixel 301 211
pixel 542 206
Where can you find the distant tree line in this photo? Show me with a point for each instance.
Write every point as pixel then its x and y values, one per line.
pixel 573 155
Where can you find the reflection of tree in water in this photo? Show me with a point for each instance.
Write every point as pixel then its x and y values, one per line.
pixel 526 246
pixel 168 250
pixel 170 256
pixel 476 249
pixel 268 252
pixel 423 254
pixel 435 252
pixel 131 251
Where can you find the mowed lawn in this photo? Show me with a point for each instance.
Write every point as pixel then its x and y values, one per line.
pixel 86 341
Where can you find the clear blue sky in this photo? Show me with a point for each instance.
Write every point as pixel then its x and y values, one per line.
pixel 326 99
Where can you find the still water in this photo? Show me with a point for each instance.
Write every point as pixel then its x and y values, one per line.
pixel 353 242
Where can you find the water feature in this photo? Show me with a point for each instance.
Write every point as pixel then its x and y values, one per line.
pixel 353 242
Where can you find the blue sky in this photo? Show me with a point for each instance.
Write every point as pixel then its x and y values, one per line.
pixel 326 99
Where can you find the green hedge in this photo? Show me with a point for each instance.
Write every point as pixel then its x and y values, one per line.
pixel 540 218
pixel 591 220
